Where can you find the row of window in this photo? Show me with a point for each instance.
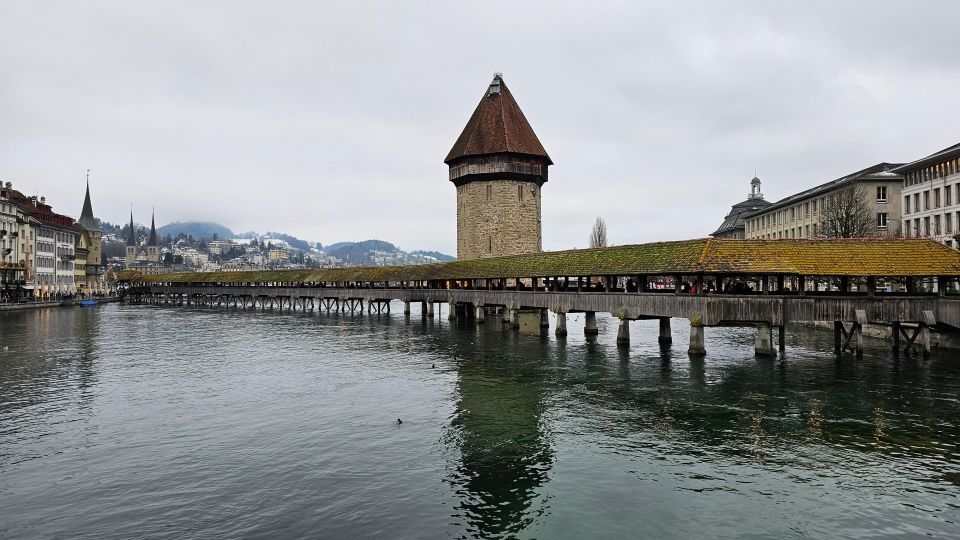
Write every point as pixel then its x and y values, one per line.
pixel 932 172
pixel 801 211
pixel 813 230
pixel 947 223
pixel 922 201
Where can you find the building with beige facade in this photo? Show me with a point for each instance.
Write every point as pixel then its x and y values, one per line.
pixel 931 196
pixel 498 167
pixel 801 215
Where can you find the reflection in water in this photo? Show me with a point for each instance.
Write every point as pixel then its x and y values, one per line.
pixel 285 426
pixel 504 457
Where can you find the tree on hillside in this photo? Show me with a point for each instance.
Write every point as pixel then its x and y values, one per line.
pixel 598 237
pixel 847 215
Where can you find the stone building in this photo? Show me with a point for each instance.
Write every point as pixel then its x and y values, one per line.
pixel 498 167
pixel 733 223
pixel 800 215
pixel 931 196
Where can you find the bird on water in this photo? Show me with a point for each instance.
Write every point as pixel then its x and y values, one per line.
pixel 399 421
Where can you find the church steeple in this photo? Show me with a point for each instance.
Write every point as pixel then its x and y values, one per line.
pixel 152 241
pixel 86 215
pixel 132 235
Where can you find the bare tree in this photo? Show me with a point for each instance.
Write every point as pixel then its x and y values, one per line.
pixel 598 237
pixel 847 215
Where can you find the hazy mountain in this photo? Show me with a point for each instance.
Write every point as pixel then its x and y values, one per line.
pixel 196 229
pixel 380 253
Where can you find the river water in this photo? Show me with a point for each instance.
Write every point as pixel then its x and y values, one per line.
pixel 160 422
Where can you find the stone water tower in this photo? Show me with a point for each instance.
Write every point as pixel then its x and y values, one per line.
pixel 498 167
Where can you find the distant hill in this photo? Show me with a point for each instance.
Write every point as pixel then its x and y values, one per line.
pixel 440 257
pixel 196 229
pixel 380 253
pixel 361 253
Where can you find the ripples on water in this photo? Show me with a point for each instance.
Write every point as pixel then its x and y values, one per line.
pixel 136 421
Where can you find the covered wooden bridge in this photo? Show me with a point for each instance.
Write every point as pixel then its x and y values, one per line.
pixel 909 284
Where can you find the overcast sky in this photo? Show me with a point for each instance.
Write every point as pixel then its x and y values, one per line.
pixel 331 122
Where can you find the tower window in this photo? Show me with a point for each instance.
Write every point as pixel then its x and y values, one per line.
pixel 519 193
pixel 489 192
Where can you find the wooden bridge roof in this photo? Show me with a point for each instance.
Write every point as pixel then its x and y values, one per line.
pixel 809 257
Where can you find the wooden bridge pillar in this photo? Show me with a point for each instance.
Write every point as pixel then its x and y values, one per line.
pixel 451 310
pixel 429 306
pixel 623 333
pixel 480 314
pixel 514 318
pixel 561 330
pixel 544 318
pixel 666 336
pixel 406 307
pixel 782 338
pixel 763 346
pixel 696 335
pixel 590 324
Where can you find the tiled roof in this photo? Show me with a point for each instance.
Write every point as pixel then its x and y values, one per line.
pixel 735 219
pixel 934 158
pixel 811 257
pixel 497 126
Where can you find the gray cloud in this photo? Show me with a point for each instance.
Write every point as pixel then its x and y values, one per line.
pixel 331 121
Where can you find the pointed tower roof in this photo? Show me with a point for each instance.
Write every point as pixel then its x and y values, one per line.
pixel 132 235
pixel 497 126
pixel 86 215
pixel 153 231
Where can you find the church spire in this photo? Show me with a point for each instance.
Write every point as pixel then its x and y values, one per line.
pixel 132 236
pixel 153 230
pixel 86 215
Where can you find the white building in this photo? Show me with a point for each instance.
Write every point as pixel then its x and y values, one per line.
pixel 931 196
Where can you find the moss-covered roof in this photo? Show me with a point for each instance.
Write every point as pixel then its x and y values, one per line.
pixel 812 257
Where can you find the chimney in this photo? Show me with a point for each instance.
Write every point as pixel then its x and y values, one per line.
pixel 43 200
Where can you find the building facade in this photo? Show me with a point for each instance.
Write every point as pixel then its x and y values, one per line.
pixel 47 245
pixel 734 223
pixel 801 215
pixel 12 263
pixel 931 197
pixel 498 167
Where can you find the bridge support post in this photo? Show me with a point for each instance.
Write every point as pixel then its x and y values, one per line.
pixel 429 305
pixel 782 338
pixel 928 321
pixel 406 307
pixel 763 346
pixel 544 318
pixel 561 330
pixel 514 318
pixel 623 333
pixel 590 324
pixel 666 336
pixel 696 335
pixel 481 314
pixel 451 310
